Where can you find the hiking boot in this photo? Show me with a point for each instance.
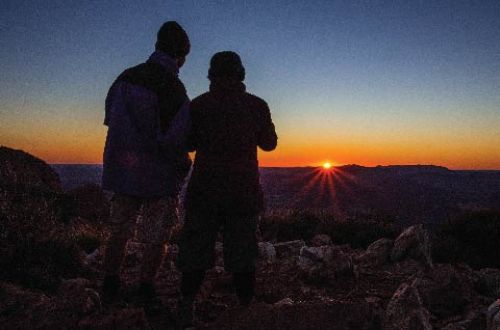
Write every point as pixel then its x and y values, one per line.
pixel 111 288
pixel 185 313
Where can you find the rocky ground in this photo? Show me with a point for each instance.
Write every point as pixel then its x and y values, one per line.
pixel 393 284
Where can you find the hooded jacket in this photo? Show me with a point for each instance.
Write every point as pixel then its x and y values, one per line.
pixel 147 114
pixel 228 124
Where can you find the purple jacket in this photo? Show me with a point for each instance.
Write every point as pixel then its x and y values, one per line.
pixel 147 114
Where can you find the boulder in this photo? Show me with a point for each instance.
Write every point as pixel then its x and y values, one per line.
pixel 267 252
pixel 172 251
pixel 331 315
pixel 414 242
pixel 88 202
pixel 284 301
pixel 123 319
pixel 288 249
pixel 405 310
pixel 22 173
pixel 446 290
pixel 489 282
pixel 80 296
pixel 378 253
pixel 493 316
pixel 324 262
pixel 320 240
pixel 29 195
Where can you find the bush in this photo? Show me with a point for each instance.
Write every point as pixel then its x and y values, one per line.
pixel 41 264
pixel 471 238
pixel 287 226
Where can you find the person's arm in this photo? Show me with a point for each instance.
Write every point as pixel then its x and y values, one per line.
pixel 114 99
pixel 176 136
pixel 267 135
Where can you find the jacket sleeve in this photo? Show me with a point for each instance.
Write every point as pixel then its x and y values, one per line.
pixel 267 138
pixel 114 99
pixel 176 135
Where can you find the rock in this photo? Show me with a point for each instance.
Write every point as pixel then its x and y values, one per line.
pixel 493 316
pixel 489 281
pixel 21 172
pixel 79 296
pixel 446 290
pixel 288 249
pixel 283 302
pixel 29 195
pixel 414 242
pixel 333 315
pixel 325 261
pixel 473 321
pixel 267 252
pixel 320 240
pixel 172 251
pixel 88 202
pixel 405 310
pixel 123 319
pixel 377 254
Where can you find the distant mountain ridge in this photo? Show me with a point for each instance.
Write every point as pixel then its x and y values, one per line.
pixel 408 193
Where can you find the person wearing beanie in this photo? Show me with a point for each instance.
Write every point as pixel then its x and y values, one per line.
pixel 224 193
pixel 145 157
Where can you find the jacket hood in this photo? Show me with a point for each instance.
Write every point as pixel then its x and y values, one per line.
pixel 164 60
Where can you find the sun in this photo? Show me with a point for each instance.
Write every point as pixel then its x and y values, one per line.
pixel 327 165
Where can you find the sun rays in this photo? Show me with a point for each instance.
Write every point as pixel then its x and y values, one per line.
pixel 324 187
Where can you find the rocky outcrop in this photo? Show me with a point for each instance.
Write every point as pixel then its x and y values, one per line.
pixel 325 262
pixel 320 240
pixel 22 173
pixel 406 310
pixel 267 252
pixel 493 316
pixel 334 315
pixel 288 249
pixel 378 253
pixel 489 281
pixel 414 242
pixel 88 202
pixel 446 290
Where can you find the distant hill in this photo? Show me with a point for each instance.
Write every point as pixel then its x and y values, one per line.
pixel 408 193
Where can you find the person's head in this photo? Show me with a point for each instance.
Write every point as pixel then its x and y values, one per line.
pixel 227 66
pixel 173 40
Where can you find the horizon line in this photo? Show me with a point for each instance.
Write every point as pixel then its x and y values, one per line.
pixel 335 166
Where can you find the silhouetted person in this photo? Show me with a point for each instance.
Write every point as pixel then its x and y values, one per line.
pixel 224 193
pixel 145 158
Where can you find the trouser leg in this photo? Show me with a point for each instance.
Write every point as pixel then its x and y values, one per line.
pixel 123 215
pixel 191 283
pixel 158 216
pixel 244 284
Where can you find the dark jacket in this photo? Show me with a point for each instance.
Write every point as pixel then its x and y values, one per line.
pixel 228 124
pixel 147 114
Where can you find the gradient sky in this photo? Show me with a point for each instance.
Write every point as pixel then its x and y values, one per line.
pixel 365 82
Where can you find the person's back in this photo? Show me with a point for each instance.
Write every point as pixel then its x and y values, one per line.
pixel 228 124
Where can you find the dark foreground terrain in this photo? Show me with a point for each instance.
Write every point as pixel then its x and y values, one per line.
pixel 316 270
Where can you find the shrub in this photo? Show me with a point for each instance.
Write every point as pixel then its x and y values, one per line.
pixel 470 238
pixel 292 225
pixel 41 264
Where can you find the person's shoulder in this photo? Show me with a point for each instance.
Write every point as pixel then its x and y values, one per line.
pixel 201 99
pixel 143 74
pixel 256 101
